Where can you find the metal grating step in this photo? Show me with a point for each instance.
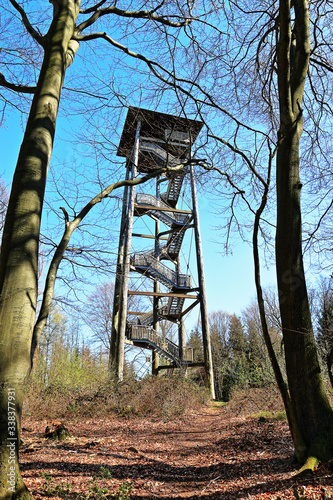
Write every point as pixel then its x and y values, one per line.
pixel 174 243
pixel 175 306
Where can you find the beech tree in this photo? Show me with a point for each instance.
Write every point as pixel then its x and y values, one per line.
pixel 65 28
pixel 250 125
pixel 3 203
pixel 283 86
pixel 325 327
pixel 312 409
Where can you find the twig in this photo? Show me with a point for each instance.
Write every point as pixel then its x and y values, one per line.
pixel 210 482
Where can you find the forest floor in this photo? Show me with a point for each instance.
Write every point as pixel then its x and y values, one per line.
pixel 209 453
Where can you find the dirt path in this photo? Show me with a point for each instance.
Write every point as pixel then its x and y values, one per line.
pixel 209 454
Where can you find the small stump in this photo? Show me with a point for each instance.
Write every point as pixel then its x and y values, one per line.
pixel 56 430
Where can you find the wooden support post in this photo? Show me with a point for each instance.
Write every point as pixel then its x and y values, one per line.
pixel 181 328
pixel 203 300
pixel 155 363
pixel 118 288
pixel 121 330
pixel 156 323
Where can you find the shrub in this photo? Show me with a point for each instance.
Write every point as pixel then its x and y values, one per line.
pixel 160 397
pixel 248 401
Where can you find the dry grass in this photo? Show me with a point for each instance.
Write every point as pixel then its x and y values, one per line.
pixel 161 397
pixel 255 400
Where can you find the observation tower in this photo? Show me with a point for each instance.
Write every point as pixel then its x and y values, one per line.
pixel 152 141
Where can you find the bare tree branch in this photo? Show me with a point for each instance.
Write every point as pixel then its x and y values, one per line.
pixel 174 80
pixel 16 88
pixel 30 29
pixel 138 14
pixel 70 227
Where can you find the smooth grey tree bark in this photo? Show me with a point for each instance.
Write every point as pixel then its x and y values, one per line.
pixel 19 250
pixel 309 401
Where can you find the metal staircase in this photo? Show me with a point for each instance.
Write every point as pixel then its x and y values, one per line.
pixel 140 331
pixel 151 140
pixel 162 158
pixel 143 336
pixel 147 264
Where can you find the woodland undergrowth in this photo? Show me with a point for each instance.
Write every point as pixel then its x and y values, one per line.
pixel 161 397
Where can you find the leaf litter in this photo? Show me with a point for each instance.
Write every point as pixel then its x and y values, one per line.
pixel 211 453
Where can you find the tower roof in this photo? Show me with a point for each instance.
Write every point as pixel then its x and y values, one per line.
pixel 158 126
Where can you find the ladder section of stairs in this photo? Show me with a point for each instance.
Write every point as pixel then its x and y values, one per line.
pixel 147 264
pixel 171 196
pixel 174 307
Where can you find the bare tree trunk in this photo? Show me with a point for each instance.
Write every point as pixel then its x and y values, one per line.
pixel 329 363
pixel 282 385
pixel 19 251
pixel 309 401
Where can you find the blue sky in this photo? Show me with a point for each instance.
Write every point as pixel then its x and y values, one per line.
pixel 229 279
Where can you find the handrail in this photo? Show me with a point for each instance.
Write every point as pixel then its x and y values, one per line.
pixel 167 217
pixel 148 261
pixel 141 332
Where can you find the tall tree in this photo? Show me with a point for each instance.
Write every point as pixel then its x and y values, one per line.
pixel 310 404
pixel 270 63
pixel 98 314
pixel 259 368
pixel 3 203
pixel 219 330
pixel 56 50
pixel 238 351
pixel 325 328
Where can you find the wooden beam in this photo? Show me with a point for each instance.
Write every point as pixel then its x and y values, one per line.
pixel 175 230
pixel 189 308
pixel 203 299
pixel 147 236
pixel 162 209
pixel 194 365
pixel 160 294
pixel 183 364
